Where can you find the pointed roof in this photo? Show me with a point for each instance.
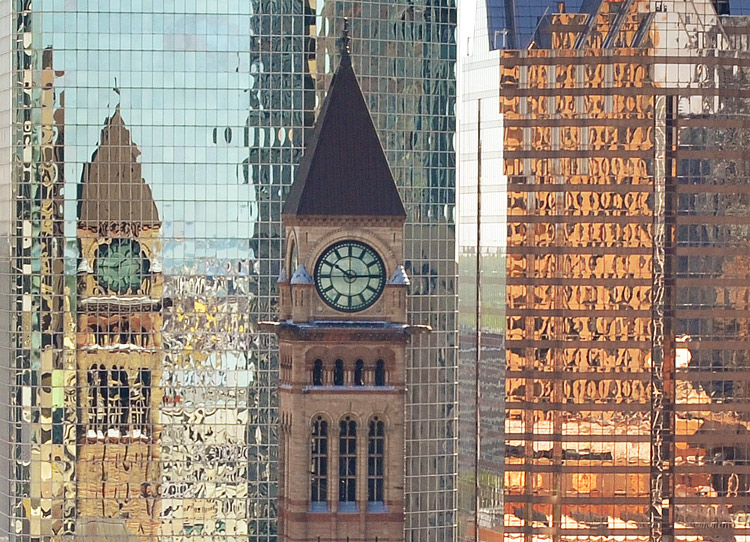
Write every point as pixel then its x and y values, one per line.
pixel 112 188
pixel 344 171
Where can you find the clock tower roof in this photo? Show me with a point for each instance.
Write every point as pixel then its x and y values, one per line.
pixel 344 171
pixel 112 189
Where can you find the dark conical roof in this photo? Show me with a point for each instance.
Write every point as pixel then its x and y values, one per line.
pixel 344 171
pixel 112 190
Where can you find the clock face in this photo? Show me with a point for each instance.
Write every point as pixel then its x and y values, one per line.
pixel 350 276
pixel 121 265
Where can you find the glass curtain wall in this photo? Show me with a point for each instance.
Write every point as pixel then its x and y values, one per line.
pixel 623 146
pixel 626 313
pixel 146 160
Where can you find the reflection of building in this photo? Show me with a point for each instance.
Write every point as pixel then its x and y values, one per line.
pixel 626 314
pixel 343 333
pixel 118 342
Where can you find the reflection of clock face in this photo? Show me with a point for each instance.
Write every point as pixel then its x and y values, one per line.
pixel 121 265
pixel 350 276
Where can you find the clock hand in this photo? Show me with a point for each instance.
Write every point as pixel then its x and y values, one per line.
pixel 347 274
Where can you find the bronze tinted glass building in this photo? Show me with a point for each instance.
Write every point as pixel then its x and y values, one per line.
pixel 624 150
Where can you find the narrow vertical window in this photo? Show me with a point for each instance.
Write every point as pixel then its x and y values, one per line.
pixel 359 373
pixel 347 463
pixel 119 402
pixel 380 373
pixel 105 400
pixel 317 376
pixel 96 409
pixel 282 461
pixel 338 373
pixel 375 461
pixel 319 466
pixel 141 404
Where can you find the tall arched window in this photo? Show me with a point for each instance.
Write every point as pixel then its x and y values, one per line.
pixel 317 376
pixel 141 404
pixel 319 462
pixel 347 464
pixel 97 401
pixel 102 383
pixel 119 401
pixel 375 461
pixel 380 373
pixel 359 373
pixel 338 373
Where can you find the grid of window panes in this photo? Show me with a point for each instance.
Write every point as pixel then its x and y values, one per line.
pixel 568 441
pixel 482 196
pixel 203 109
pixel 319 457
pixel 8 276
pixel 375 461
pixel 626 306
pixel 347 463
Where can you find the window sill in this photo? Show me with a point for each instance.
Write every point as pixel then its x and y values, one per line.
pixel 348 507
pixel 319 508
pixel 332 388
pixel 376 507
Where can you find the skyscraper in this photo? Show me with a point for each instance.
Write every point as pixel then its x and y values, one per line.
pixel 625 318
pixel 209 105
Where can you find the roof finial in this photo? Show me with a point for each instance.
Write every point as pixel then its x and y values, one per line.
pixel 345 42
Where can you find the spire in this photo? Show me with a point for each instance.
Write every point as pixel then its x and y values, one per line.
pixel 344 171
pixel 112 190
pixel 345 42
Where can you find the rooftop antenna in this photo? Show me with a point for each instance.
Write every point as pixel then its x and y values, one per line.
pixel 345 41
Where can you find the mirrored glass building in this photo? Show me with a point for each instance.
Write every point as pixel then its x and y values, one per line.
pixel 146 153
pixel 621 131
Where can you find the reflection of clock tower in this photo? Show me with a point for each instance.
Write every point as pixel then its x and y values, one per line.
pixel 119 322
pixel 342 334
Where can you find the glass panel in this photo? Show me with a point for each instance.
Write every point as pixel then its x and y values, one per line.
pixel 347 460
pixel 319 458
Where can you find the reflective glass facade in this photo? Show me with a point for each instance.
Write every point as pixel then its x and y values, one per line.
pixel 625 402
pixel 147 150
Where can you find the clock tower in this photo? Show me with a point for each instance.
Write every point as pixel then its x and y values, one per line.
pixel 342 333
pixel 118 347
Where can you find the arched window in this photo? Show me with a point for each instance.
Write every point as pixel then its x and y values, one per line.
pixel 359 373
pixel 119 413
pixel 141 404
pixel 338 373
pixel 347 462
pixel 317 376
pixel 375 461
pixel 380 373
pixel 319 461
pixel 105 398
pixel 97 401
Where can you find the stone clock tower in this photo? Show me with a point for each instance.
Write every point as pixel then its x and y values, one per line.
pixel 118 343
pixel 342 333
